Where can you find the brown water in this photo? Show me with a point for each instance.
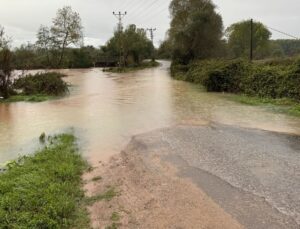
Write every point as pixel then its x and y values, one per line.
pixel 106 109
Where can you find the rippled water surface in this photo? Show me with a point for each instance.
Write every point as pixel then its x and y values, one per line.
pixel 106 109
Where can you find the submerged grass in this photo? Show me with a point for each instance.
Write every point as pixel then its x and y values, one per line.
pixel 44 190
pixel 28 98
pixel 284 105
pixel 144 65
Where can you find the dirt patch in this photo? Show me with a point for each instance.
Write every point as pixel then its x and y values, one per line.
pixel 148 194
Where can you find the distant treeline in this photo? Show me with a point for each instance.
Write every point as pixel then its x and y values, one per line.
pixel 30 57
pixel 280 48
pixel 285 48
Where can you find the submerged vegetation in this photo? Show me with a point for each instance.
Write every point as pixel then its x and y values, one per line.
pixel 286 106
pixel 50 84
pixel 37 88
pixel 143 65
pixel 257 83
pixel 44 190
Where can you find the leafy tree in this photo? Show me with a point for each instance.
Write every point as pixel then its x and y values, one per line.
pixel 239 38
pixel 25 57
pixel 134 44
pixel 5 64
pixel 196 30
pixel 289 47
pixel 65 31
pixel 165 50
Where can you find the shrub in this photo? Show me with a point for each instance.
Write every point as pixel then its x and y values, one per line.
pixel 262 79
pixel 42 83
pixel 219 76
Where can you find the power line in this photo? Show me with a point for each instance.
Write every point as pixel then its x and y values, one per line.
pixel 150 15
pixel 286 34
pixel 137 7
pixel 143 9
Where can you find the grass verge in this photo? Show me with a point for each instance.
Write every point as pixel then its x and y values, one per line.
pixel 144 65
pixel 28 98
pixel 44 190
pixel 284 105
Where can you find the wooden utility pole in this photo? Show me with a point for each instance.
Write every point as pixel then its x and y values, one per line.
pixel 120 16
pixel 151 30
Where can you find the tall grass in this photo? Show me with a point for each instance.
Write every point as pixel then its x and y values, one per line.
pixel 44 190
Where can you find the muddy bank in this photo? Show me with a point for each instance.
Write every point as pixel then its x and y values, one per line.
pixel 150 195
pixel 214 176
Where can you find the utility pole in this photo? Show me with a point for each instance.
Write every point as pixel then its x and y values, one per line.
pixel 251 40
pixel 120 16
pixel 151 30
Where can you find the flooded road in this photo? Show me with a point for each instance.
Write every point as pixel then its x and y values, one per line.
pixel 106 109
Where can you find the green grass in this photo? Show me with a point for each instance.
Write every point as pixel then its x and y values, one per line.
pixel 144 65
pixel 284 105
pixel 27 98
pixel 44 190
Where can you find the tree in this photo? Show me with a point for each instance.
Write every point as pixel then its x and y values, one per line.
pixel 5 64
pixel 165 49
pixel 134 44
pixel 239 38
pixel 196 30
pixel 45 43
pixel 65 31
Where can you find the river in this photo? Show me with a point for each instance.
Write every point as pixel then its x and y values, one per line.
pixel 107 109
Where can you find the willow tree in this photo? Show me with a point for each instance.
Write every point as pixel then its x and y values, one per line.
pixel 5 64
pixel 196 30
pixel 65 31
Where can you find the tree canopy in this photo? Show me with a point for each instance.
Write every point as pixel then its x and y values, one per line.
pixel 132 43
pixel 65 31
pixel 196 30
pixel 5 64
pixel 239 38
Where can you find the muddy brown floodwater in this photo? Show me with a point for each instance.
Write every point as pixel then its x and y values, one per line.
pixel 106 109
pixel 202 168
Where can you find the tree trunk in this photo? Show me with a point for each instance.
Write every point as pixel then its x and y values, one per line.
pixel 63 49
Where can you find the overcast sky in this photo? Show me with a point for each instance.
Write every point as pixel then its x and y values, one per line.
pixel 22 18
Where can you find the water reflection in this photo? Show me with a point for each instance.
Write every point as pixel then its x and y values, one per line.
pixel 106 109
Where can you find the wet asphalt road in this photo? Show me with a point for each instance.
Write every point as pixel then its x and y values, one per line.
pixel 254 175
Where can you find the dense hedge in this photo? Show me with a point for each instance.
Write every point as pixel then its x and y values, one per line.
pixel 50 84
pixel 265 79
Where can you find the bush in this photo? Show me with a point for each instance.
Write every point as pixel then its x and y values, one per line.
pixel 264 79
pixel 50 84
pixel 219 76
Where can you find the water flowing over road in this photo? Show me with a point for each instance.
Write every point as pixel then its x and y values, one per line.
pixel 106 109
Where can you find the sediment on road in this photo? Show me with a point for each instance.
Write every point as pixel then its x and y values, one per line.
pixel 150 195
pixel 212 176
